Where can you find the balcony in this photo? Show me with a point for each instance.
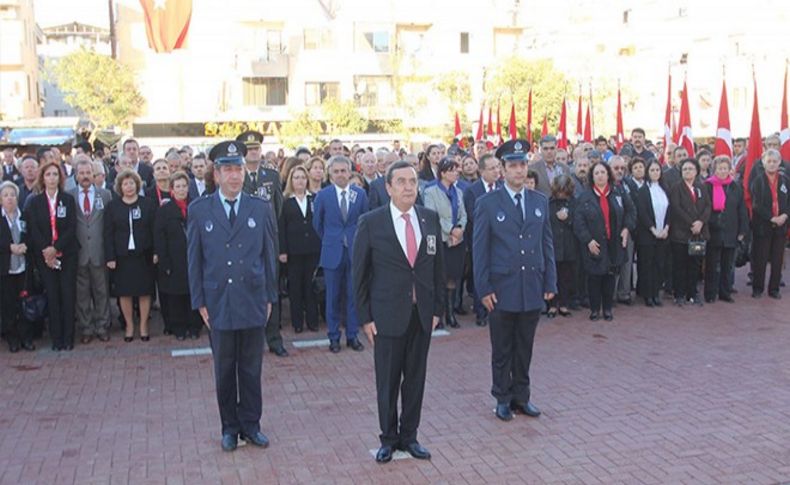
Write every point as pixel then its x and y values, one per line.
pixel 271 64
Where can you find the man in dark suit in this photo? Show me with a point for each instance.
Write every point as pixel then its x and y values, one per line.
pixel 548 168
pixel 397 267
pixel 10 171
pixel 514 270
pixel 132 150
pixel 197 183
pixel 265 183
pixel 233 283
pixel 490 171
pixel 337 210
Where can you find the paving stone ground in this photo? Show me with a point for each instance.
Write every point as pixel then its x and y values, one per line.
pixel 671 395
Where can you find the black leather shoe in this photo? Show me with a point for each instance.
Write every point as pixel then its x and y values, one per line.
pixel 29 346
pixel 607 315
pixel 355 344
pixel 229 442
pixel 298 330
pixel 680 301
pixel 625 301
pixel 418 451
pixel 481 322
pixel 775 295
pixel 384 455
pixel 279 351
pixel 529 409
pixel 334 346
pixel 503 412
pixel 657 302
pixel 68 347
pixel 757 294
pixel 312 328
pixel 594 316
pixel 13 347
pixel 257 439
pixel 728 299
pixel 649 302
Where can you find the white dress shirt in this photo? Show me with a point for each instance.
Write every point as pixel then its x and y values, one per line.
pixel 400 226
pixel 338 190
pixel 660 204
pixel 91 197
pixel 302 204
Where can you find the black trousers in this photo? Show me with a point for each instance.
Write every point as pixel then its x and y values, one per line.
pixel 15 328
pixel 183 319
pixel 565 284
pixel 304 302
pixel 685 271
pixel 600 288
pixel 167 312
pixel 768 249
pixel 650 268
pixel 401 362
pixel 238 359
pixel 61 289
pixel 512 339
pixel 718 267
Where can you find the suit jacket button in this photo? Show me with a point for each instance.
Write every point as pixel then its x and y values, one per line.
pixel 521 236
pixel 227 246
pixel 239 244
pixel 523 268
pixel 522 251
pixel 230 263
pixel 230 281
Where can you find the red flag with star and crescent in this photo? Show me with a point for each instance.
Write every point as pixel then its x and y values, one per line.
pixel 166 23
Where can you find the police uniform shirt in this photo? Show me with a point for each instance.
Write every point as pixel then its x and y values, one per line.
pixel 513 194
pixel 226 205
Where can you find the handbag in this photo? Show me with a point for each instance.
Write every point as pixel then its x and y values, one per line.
pixel 742 254
pixel 34 302
pixel 696 248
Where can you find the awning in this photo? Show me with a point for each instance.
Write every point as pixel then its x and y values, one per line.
pixel 40 136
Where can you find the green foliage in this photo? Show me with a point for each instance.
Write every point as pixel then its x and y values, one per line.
pixel 342 118
pixel 455 89
pixel 98 86
pixel 302 130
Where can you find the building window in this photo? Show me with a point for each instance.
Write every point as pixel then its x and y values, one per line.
pixel 373 41
pixel 315 39
pixel 265 91
pixel 317 93
pixel 372 91
pixel 61 112
pixel 464 42
pixel 274 43
pixel 626 14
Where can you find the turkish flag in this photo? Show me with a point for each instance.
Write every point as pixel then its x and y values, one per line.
pixel 513 131
pixel 529 117
pixel 723 135
pixel 579 128
pixel 588 126
pixel 457 130
pixel 166 23
pixel 562 130
pixel 479 134
pixel 668 122
pixel 620 140
pixel 784 129
pixel 498 126
pixel 754 151
pixel 545 130
pixel 685 138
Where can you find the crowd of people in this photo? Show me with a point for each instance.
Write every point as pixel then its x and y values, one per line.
pixel 93 228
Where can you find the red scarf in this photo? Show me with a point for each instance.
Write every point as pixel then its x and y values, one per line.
pixel 182 204
pixel 603 201
pixel 773 183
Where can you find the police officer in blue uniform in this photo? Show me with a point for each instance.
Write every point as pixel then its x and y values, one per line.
pixel 233 284
pixel 514 271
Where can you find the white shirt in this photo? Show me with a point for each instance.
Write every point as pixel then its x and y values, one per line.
pixel 91 197
pixel 226 206
pixel 523 193
pixel 130 245
pixel 485 186
pixel 400 227
pixel 201 186
pixel 339 196
pixel 660 205
pixel 18 225
pixel 302 204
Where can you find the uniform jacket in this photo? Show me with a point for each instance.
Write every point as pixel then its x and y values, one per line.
pixel 232 270
pixel 588 225
pixel 384 280
pixel 90 229
pixel 328 223
pixel 267 186
pixel 514 260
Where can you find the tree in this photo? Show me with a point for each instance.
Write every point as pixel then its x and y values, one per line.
pixel 454 88
pixel 100 87
pixel 302 130
pixel 512 79
pixel 342 117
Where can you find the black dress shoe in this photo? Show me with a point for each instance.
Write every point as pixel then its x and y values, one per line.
pixel 594 316
pixel 481 322
pixel 528 409
pixel 384 455
pixel 775 295
pixel 440 325
pixel 657 302
pixel 229 442
pixel 298 330
pixel 29 346
pixel 128 339
pixel 145 338
pixel 417 451
pixel 624 301
pixel 13 347
pixel 104 337
pixel 334 346
pixel 355 344
pixel 680 301
pixel 68 347
pixel 757 294
pixel 257 439
pixel 649 302
pixel 312 328
pixel 503 412
pixel 727 298
pixel 607 315
pixel 181 337
pixel 279 351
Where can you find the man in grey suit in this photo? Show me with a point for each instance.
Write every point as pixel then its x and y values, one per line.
pixel 548 168
pixel 93 302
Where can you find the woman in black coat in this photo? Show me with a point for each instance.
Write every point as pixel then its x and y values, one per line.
pixel 129 250
pixel 170 248
pixel 52 226
pixel 770 209
pixel 689 213
pixel 652 234
pixel 728 224
pixel 601 223
pixel 13 269
pixel 561 209
pixel 300 248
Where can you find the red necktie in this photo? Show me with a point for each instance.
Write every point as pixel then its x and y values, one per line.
pixel 490 187
pixel 411 241
pixel 86 203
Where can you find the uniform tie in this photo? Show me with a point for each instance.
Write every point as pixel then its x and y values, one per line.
pixel 232 214
pixel 253 177
pixel 519 207
pixel 411 241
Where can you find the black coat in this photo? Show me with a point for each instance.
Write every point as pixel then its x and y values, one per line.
pixel 116 227
pixel 565 248
pixel 646 217
pixel 733 221
pixel 297 235
pixel 170 245
pixel 683 212
pixel 40 230
pixel 588 225
pixel 761 203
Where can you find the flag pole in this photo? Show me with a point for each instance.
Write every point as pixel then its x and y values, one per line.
pixel 592 112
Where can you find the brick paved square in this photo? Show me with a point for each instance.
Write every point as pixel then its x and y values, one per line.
pixel 671 395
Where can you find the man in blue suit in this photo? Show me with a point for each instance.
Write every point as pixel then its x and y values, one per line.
pixel 337 208
pixel 233 283
pixel 490 171
pixel 513 254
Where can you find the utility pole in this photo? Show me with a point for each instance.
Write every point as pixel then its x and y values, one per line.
pixel 112 29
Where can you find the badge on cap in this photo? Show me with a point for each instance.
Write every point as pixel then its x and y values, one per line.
pixel 538 213
pixel 500 216
pixel 232 149
pixel 517 146
pixel 251 223
pixel 209 226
